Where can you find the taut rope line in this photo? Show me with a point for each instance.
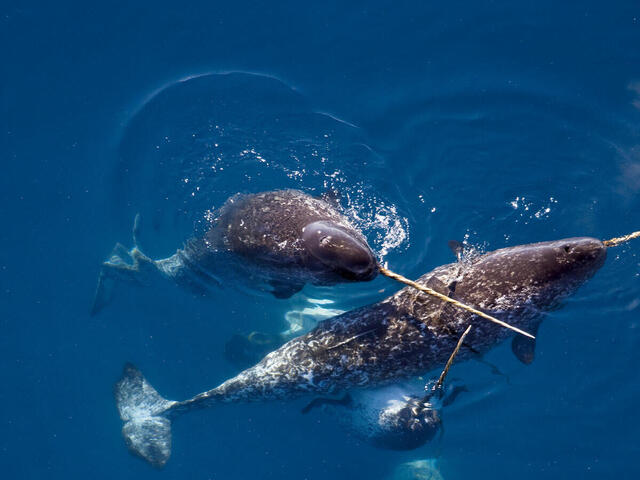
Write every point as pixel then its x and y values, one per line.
pixel 388 273
pixel 450 361
pixel 615 241
pixel 612 242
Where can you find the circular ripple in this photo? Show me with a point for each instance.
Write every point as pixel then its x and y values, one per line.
pixel 198 141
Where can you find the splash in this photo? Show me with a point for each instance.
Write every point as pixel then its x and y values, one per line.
pixel 528 209
pixel 196 142
pixel 384 226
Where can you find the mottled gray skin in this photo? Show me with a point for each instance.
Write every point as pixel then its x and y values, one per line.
pixel 405 425
pixel 407 334
pixel 274 241
pixel 400 416
pixel 268 231
pixel 411 333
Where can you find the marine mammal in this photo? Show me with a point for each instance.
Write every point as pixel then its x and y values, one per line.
pixel 407 334
pixel 277 240
pixel 392 417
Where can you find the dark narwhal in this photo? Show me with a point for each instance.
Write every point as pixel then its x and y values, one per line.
pixel 276 241
pixel 403 336
pixel 390 418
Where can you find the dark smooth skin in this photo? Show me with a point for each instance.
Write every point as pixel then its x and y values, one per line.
pixel 346 255
pixel 584 253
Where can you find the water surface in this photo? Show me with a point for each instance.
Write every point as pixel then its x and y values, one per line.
pixel 496 124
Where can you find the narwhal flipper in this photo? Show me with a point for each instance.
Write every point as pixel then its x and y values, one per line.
pixel 147 428
pixel 525 348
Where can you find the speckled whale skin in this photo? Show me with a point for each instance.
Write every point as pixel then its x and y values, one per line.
pixel 266 230
pixel 411 333
pixel 262 242
pixel 407 334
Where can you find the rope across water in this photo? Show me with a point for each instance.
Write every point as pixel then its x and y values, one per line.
pixel 450 361
pixel 615 241
pixel 612 242
pixel 388 273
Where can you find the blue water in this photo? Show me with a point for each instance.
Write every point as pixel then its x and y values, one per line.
pixel 496 123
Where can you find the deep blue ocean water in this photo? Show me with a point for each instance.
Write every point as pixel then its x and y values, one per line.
pixel 497 123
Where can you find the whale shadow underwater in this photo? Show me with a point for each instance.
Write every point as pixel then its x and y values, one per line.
pixel 373 347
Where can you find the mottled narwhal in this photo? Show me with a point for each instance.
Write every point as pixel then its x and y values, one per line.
pixel 390 418
pixel 277 240
pixel 405 335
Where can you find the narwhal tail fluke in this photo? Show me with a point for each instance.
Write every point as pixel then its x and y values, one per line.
pixel 122 264
pixel 147 427
pixel 119 264
pixel 130 266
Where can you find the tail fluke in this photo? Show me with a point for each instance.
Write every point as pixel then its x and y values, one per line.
pixel 147 429
pixel 122 264
pixel 130 266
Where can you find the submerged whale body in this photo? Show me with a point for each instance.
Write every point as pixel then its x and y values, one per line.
pixel 389 418
pixel 405 335
pixel 277 241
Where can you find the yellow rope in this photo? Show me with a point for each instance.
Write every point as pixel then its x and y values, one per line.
pixel 388 273
pixel 450 361
pixel 613 242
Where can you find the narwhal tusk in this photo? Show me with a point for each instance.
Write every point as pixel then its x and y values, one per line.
pixel 395 276
pixel 615 241
pixel 450 361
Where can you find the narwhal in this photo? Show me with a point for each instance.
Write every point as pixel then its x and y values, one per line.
pixel 403 336
pixel 389 418
pixel 277 241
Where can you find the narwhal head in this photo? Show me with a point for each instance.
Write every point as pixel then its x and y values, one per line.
pixel 406 425
pixel 342 251
pixel 542 272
